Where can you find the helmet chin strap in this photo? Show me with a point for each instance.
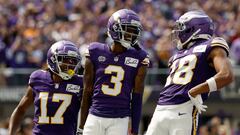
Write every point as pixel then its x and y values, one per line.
pixel 202 36
pixel 125 44
pixel 65 76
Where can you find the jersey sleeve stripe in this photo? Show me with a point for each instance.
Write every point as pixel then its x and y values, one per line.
pixel 146 62
pixel 213 44
pixel 221 45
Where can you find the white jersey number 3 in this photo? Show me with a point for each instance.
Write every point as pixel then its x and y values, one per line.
pixel 182 70
pixel 116 80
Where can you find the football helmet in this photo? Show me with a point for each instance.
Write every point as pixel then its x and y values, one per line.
pixel 63 58
pixel 124 26
pixel 191 26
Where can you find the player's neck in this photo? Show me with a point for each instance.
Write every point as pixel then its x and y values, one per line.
pixel 117 48
pixel 56 78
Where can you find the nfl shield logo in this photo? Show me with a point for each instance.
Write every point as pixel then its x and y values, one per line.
pixel 101 58
pixel 116 58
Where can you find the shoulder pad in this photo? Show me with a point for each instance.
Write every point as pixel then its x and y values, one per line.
pixel 218 41
pixel 93 48
pixel 38 76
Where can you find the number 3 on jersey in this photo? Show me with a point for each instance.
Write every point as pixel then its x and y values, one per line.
pixel 182 70
pixel 116 80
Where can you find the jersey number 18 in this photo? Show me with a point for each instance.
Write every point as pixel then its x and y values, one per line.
pixel 182 70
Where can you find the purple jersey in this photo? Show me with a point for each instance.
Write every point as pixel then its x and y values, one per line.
pixel 56 105
pixel 189 68
pixel 114 79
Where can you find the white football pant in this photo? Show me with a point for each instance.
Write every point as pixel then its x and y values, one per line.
pixel 105 126
pixel 179 119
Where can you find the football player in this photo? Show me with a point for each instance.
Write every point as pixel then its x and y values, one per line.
pixel 114 79
pixel 200 66
pixel 55 93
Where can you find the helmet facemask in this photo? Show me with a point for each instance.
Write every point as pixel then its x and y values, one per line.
pixel 129 34
pixel 177 30
pixel 67 65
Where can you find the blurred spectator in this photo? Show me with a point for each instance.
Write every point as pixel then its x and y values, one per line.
pixel 217 126
pixel 2 63
pixel 237 132
pixel 214 125
pixel 29 27
pixel 235 49
pixel 26 126
pixel 84 21
pixel 4 127
pixel 203 130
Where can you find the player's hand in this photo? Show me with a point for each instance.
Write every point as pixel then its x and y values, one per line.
pixel 132 134
pixel 198 103
pixel 79 131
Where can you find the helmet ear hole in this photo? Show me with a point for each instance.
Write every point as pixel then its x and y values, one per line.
pixel 53 59
pixel 116 27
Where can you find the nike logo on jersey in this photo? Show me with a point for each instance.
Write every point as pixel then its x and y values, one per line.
pixel 180 114
pixel 73 88
pixel 132 62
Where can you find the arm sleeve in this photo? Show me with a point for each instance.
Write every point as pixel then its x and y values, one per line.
pixel 136 111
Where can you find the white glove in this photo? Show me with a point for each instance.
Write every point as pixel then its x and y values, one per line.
pixel 198 103
pixel 79 131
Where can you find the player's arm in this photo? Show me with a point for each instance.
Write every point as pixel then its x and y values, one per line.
pixel 219 60
pixel 19 111
pixel 88 79
pixel 137 94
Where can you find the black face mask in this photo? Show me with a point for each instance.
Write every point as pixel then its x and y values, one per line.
pixel 130 33
pixel 67 62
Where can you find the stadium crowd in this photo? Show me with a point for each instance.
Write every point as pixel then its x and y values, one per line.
pixel 29 27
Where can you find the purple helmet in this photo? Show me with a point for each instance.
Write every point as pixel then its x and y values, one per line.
pixel 124 26
pixel 63 58
pixel 191 26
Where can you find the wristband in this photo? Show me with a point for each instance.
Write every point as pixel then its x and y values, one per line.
pixel 79 131
pixel 212 84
